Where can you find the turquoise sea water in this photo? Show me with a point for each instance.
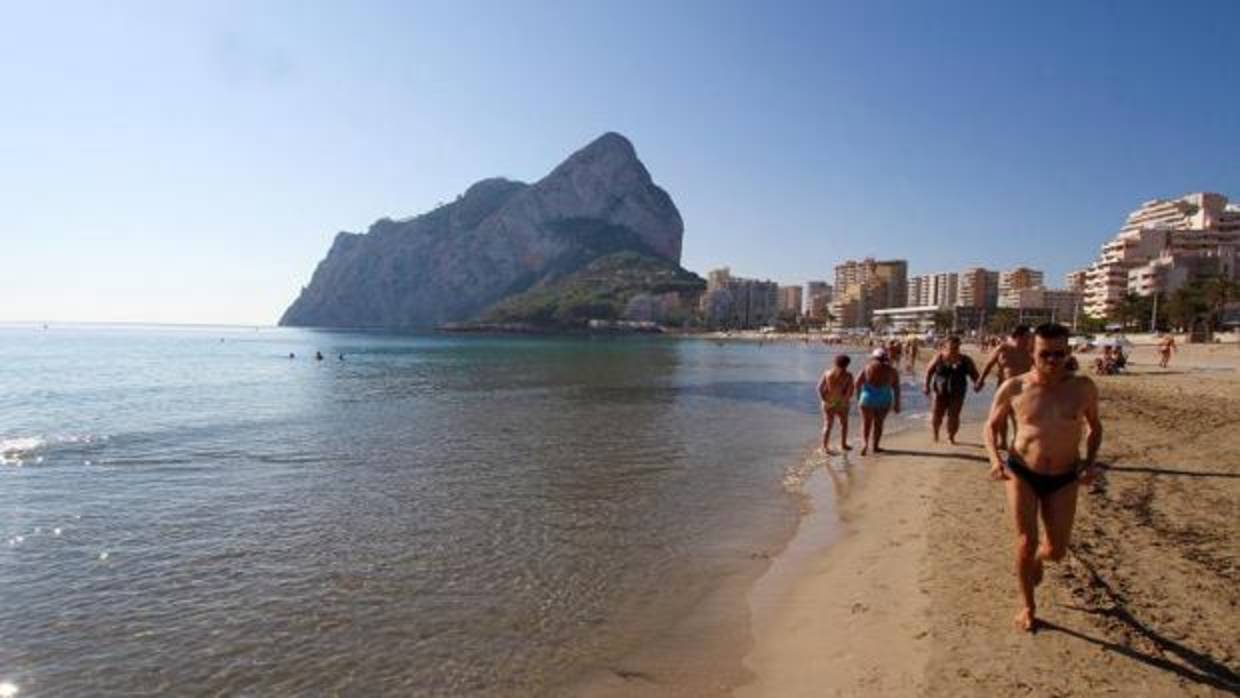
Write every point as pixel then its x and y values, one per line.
pixel 188 510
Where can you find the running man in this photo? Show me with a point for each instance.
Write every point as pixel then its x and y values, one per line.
pixel 1012 358
pixel 1043 469
pixel 1166 345
pixel 878 390
pixel 835 390
pixel 948 373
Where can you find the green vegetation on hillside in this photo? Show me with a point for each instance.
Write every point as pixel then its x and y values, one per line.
pixel 598 291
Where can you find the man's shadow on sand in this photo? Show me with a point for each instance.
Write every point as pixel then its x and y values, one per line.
pixel 1107 467
pixel 1201 668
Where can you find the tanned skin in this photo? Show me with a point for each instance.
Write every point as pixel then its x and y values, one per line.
pixel 835 391
pixel 1012 358
pixel 1053 407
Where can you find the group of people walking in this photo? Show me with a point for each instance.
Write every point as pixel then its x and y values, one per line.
pixel 1041 410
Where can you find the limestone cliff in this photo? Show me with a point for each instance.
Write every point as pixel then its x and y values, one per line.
pixel 499 239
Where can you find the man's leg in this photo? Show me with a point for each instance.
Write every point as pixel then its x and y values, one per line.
pixel 1058 513
pixel 844 431
pixel 1023 508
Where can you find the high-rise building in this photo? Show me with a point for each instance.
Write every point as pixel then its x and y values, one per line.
pixel 790 299
pixel 978 288
pixel 738 302
pixel 817 299
pixel 1196 225
pixel 933 289
pixel 1075 280
pixel 861 287
pixel 1013 281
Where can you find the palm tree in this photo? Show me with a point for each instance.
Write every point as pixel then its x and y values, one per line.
pixel 1216 293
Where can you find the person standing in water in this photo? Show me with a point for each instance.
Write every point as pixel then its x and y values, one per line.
pixel 948 374
pixel 835 390
pixel 1042 471
pixel 910 351
pixel 878 390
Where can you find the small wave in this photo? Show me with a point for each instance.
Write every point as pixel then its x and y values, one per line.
pixel 13 451
pixel 19 450
pixel 797 473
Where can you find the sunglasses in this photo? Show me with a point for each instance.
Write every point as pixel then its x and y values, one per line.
pixel 1052 354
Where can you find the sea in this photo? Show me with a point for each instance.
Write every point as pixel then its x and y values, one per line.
pixel 191 510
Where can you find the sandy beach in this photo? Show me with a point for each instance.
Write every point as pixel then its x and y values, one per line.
pixel 917 596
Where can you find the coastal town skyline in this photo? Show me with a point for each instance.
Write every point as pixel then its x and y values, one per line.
pixel 203 186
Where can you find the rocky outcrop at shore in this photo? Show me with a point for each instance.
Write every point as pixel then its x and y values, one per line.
pixel 499 239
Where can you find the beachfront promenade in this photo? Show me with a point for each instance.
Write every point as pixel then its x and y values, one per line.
pixel 917 598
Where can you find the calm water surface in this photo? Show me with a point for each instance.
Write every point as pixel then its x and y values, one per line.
pixel 187 510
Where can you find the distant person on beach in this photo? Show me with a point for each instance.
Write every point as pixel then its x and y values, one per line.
pixel 1012 358
pixel 948 377
pixel 835 390
pixel 1044 467
pixel 911 347
pixel 1166 345
pixel 895 350
pixel 878 390
pixel 318 356
pixel 291 355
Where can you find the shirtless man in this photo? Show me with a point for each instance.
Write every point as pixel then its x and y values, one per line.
pixel 1166 345
pixel 911 347
pixel 1042 471
pixel 835 390
pixel 1011 358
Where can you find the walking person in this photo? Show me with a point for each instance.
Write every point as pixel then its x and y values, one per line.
pixel 1011 358
pixel 1042 471
pixel 835 390
pixel 878 390
pixel 948 375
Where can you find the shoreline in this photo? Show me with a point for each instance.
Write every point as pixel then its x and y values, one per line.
pixel 917 595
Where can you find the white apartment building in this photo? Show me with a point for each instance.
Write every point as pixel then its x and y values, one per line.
pixel 978 288
pixel 939 290
pixel 1015 280
pixel 1061 304
pixel 1193 225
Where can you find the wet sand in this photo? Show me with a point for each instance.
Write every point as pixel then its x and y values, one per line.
pixel 917 597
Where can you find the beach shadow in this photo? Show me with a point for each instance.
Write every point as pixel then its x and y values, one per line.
pixel 1168 471
pixel 933 454
pixel 1156 662
pixel 1204 668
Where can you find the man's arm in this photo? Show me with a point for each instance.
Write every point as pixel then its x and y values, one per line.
pixel 822 389
pixel 990 364
pixel 1093 439
pixel 973 372
pixel 1000 408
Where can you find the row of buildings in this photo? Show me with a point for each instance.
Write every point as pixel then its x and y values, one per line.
pixel 1163 245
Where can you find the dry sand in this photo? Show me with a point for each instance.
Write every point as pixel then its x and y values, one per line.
pixel 917 598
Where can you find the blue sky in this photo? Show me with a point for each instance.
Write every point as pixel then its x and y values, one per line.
pixel 190 162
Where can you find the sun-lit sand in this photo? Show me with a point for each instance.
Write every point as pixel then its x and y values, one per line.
pixel 918 596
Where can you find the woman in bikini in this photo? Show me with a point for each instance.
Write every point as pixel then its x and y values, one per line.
pixel 835 390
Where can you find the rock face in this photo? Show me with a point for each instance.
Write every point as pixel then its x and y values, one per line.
pixel 500 238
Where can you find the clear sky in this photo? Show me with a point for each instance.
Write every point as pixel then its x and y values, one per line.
pixel 191 162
